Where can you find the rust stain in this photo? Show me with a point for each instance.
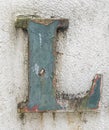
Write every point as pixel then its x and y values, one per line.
pixel 69 118
pixel 83 100
pixel 41 120
pixel 74 100
pixel 95 92
pixel 59 100
pixel 59 53
pixel 26 109
pixel 54 115
pixel 21 116
pixel 93 84
pixel 29 23
pixel 43 21
pixel 22 21
pixel 63 22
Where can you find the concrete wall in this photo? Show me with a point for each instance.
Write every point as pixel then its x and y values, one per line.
pixel 86 52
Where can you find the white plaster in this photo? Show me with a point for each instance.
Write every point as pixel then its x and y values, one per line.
pixel 85 48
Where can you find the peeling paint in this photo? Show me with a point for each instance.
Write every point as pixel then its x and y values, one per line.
pixel 42 95
pixel 85 46
pixel 35 69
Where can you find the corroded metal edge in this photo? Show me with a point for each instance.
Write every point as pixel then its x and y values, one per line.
pixel 22 21
pixel 92 99
pixel 94 90
pixel 81 104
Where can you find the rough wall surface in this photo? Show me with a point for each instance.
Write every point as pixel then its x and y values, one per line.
pixel 85 49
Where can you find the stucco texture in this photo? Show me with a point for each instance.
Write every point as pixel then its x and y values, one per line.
pixel 85 48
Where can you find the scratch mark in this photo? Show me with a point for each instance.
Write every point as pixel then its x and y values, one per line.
pixel 40 39
pixel 36 69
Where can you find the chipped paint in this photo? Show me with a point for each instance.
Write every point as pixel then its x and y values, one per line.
pixel 92 99
pixel 95 92
pixel 42 94
pixel 35 69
